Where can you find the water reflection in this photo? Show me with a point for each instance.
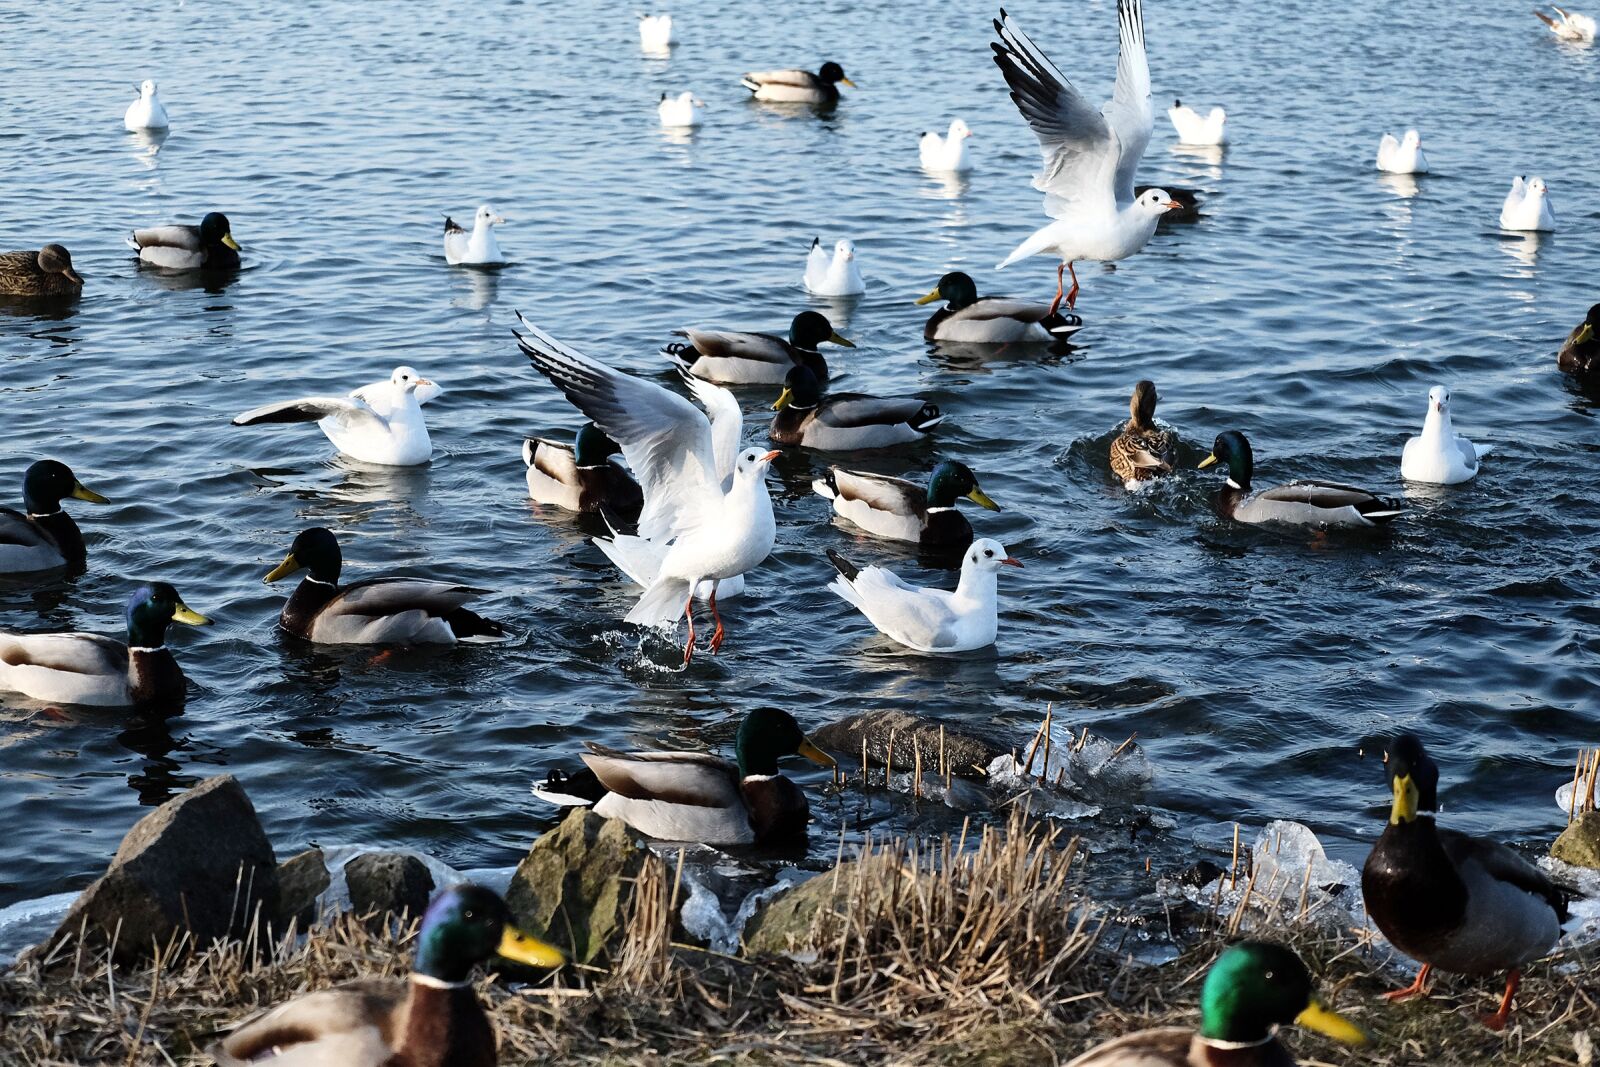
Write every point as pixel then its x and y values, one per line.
pixel 146 146
pixel 160 779
pixel 1524 248
pixel 214 280
pixel 944 185
pixel 1404 186
pixel 966 358
pixel 475 289
pixel 1202 153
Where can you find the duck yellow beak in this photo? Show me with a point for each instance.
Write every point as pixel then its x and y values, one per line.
pixel 185 614
pixel 1585 333
pixel 83 492
pixel 979 497
pixel 228 240
pixel 1208 461
pixel 783 399
pixel 848 82
pixel 1325 1020
pixel 838 340
pixel 931 297
pixel 287 567
pixel 814 754
pixel 520 948
pixel 1405 800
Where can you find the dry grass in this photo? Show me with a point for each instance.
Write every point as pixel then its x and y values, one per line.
pixel 972 951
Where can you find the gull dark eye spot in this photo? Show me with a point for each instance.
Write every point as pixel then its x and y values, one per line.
pixel 989 553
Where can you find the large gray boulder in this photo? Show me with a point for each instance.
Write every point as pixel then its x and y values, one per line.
pixel 200 863
pixel 966 754
pixel 388 883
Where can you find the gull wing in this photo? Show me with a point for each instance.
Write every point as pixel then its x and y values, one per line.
pixel 727 423
pixel 1129 114
pixel 350 412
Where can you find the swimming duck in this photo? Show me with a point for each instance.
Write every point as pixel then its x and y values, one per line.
pixel 1464 904
pixel 46 272
pixel 755 358
pixel 475 249
pixel 904 511
pixel 1304 503
pixel 656 33
pixel 798 86
pixel 991 320
pixel 947 154
pixel 1580 353
pixel 844 422
pixel 147 112
pixel 582 476
pixel 430 1019
pixel 678 112
pixel 209 245
pixel 1527 207
pixel 1253 988
pixel 1402 156
pixel 839 276
pixel 695 796
pixel 1192 128
pixel 44 537
pixel 925 618
pixel 77 668
pixel 1440 455
pixel 1142 450
pixel 372 424
pixel 373 611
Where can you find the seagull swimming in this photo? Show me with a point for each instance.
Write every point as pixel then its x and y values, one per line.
pixel 476 248
pixel 1440 455
pixel 839 276
pixel 1194 128
pixel 947 154
pixel 678 112
pixel 656 33
pixel 1403 156
pixel 1568 25
pixel 147 112
pixel 1527 207
pixel 923 618
pixel 380 423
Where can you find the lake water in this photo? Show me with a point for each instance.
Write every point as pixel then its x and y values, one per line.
pixel 1312 307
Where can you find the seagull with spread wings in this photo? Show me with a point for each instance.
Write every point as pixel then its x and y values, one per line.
pixel 1089 156
pixel 379 423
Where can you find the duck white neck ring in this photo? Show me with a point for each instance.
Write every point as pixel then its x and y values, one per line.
pixel 317 581
pixel 430 982
pixel 1217 1042
pixel 44 514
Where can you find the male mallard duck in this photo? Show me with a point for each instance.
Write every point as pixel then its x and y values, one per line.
pixel 1464 904
pixel 1254 987
pixel 798 86
pixel 843 422
pixel 46 272
pixel 695 796
pixel 373 611
pixel 76 668
pixel 582 476
pixel 45 537
pixel 1142 450
pixel 477 247
pixel 431 1019
pixel 209 245
pixel 904 511
pixel 1300 503
pixel 991 320
pixel 1580 354
pixel 755 358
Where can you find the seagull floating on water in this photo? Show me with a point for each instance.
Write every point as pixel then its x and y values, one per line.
pixel 1403 156
pixel 1440 455
pixel 656 33
pixel 927 619
pixel 1527 207
pixel 147 112
pixel 947 154
pixel 1197 129
pixel 839 276
pixel 478 248
pixel 380 423
pixel 678 112
pixel 1568 25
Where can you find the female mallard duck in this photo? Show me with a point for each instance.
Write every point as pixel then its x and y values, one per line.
pixel 373 611
pixel 89 669
pixel 991 320
pixel 209 245
pixel 45 537
pixel 846 421
pixel 755 358
pixel 582 476
pixel 904 511
pixel 695 796
pixel 1254 987
pixel 1464 904
pixel 1300 503
pixel 431 1019
pixel 1142 450
pixel 47 272
pixel 798 86
pixel 1580 355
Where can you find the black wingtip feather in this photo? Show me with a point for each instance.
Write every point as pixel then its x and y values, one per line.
pixel 847 569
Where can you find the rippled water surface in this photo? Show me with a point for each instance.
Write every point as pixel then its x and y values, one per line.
pixel 1311 307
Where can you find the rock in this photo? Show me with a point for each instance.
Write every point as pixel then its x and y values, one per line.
pixel 967 754
pixel 199 863
pixel 786 922
pixel 574 885
pixel 388 883
pixel 301 881
pixel 1579 843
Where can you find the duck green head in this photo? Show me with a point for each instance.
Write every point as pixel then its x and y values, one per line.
pixel 831 72
pixel 768 735
pixel 801 390
pixel 315 550
pixel 1589 329
pixel 151 608
pixel 1231 448
pixel 810 328
pixel 1142 404
pixel 956 289
pixel 1414 779
pixel 468 924
pixel 592 447
pixel 1256 986
pixel 46 483
pixel 951 480
pixel 215 229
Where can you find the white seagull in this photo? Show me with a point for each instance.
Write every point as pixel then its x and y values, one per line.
pixel 1403 156
pixel 1440 455
pixel 710 533
pixel 1568 25
pixel 379 423
pixel 926 619
pixel 947 154
pixel 678 112
pixel 839 276
pixel 147 112
pixel 1198 129
pixel 656 33
pixel 477 248
pixel 1089 156
pixel 1527 206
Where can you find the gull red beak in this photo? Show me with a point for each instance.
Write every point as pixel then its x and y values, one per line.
pixel 1010 562
pixel 774 454
pixel 1173 205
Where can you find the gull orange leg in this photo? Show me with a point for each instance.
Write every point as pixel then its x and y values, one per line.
pixel 1072 294
pixel 719 634
pixel 1055 305
pixel 1419 988
pixel 688 613
pixel 1498 1020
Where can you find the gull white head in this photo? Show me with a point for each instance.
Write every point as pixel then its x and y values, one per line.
pixel 844 250
pixel 753 462
pixel 1438 400
pixel 407 380
pixel 987 554
pixel 1412 139
pixel 486 217
pixel 959 131
pixel 1536 187
pixel 147 89
pixel 1156 202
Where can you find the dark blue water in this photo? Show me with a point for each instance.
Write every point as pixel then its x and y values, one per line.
pixel 1312 307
